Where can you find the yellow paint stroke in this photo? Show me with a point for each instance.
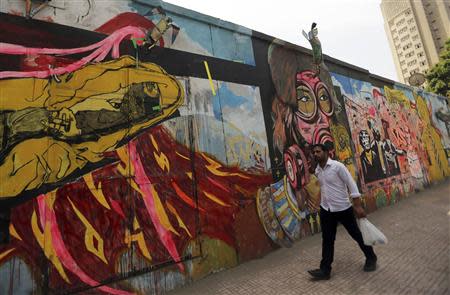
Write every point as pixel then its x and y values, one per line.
pixel 162 215
pixel 13 232
pixel 182 156
pixel 96 192
pixel 135 186
pixel 209 77
pixel 47 245
pixel 89 235
pixel 128 170
pixel 163 218
pixel 243 190
pixel 50 198
pixel 154 143
pixel 215 199
pixel 4 254
pixel 213 168
pixel 189 174
pixel 161 158
pixel 180 221
pixel 139 238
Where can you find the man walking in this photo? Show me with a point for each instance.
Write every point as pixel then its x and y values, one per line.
pixel 335 182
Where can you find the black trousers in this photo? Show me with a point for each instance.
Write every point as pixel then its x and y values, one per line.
pixel 329 221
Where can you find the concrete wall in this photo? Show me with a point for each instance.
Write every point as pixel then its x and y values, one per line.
pixel 129 170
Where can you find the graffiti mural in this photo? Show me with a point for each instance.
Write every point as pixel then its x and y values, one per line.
pixel 144 146
pixel 305 111
pixel 437 163
pixel 373 126
pixel 76 120
pixel 112 168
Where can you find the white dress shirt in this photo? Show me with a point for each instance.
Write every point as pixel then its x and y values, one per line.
pixel 335 181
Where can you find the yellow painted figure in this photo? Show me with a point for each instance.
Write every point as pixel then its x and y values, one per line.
pixel 342 147
pixel 438 165
pixel 51 127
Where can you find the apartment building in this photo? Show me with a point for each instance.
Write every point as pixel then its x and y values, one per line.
pixel 417 31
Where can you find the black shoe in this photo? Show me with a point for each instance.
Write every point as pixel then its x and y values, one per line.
pixel 370 265
pixel 319 274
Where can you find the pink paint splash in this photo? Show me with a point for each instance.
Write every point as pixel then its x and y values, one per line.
pixel 116 207
pixel 101 50
pixel 140 177
pixel 218 184
pixel 372 111
pixel 48 215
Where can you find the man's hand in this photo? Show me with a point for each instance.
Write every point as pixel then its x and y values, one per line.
pixel 359 211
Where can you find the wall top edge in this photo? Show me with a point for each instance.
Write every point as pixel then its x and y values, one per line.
pixel 185 12
pixel 210 20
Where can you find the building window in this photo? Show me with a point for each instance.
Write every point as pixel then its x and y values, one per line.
pixel 408 12
pixel 420 54
pixel 402 62
pixel 407 46
pixel 415 37
pixel 417 46
pixel 413 29
pixel 423 63
pixel 411 63
pixel 400 22
pixel 416 70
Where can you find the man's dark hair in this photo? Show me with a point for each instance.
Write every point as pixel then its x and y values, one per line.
pixel 322 146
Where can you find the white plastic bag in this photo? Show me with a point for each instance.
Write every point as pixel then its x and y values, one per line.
pixel 371 235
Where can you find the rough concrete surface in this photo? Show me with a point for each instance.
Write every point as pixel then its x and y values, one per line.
pixel 415 260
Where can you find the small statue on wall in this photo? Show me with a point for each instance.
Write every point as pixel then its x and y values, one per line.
pixel 311 36
pixel 164 24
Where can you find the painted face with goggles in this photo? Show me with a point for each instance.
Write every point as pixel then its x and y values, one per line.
pixel 314 107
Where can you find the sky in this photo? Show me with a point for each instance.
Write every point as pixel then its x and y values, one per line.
pixel 349 30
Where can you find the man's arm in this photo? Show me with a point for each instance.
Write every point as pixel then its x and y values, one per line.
pixel 354 192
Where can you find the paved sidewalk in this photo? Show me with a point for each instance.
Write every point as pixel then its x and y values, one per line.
pixel 415 261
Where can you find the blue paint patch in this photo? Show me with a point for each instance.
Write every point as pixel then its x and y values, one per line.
pixel 232 46
pixel 196 31
pixel 230 99
pixel 217 109
pixel 344 83
pixel 227 98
